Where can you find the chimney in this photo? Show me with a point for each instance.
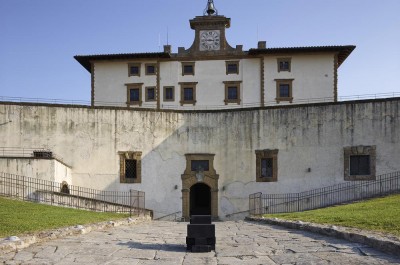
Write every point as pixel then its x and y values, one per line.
pixel 167 48
pixel 262 45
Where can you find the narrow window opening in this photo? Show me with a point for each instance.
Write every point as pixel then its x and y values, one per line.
pixel 188 94
pixel 150 93
pixel 360 165
pixel 134 95
pixel 150 69
pixel 284 90
pixel 130 169
pixel 232 93
pixel 267 168
pixel 168 93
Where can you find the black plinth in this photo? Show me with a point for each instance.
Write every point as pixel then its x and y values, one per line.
pixel 200 234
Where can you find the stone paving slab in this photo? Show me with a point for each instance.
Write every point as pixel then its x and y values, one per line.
pixel 386 243
pixel 238 242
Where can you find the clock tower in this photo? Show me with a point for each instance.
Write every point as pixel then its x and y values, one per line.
pixel 209 34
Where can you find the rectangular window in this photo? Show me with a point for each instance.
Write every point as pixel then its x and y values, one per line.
pixel 267 165
pixel 359 165
pixel 150 93
pixel 151 69
pixel 130 166
pixel 284 64
pixel 232 92
pixel 169 93
pixel 266 168
pixel 134 96
pixel 232 67
pixel 200 165
pixel 188 68
pixel 284 90
pixel 188 93
pixel 360 162
pixel 134 69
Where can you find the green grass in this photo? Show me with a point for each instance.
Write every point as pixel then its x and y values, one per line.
pixel 18 217
pixel 381 214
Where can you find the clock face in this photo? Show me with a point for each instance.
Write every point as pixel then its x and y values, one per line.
pixel 209 40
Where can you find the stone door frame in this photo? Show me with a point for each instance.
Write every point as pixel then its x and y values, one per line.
pixel 189 179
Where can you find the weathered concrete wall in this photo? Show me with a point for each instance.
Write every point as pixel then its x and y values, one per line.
pixel 311 136
pixel 45 169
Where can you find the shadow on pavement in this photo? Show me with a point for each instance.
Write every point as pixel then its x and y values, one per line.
pixel 150 246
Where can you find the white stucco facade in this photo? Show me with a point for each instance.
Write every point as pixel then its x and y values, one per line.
pixel 313 81
pixel 310 71
pixel 313 78
pixel 310 140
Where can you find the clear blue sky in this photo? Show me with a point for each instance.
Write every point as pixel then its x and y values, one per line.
pixel 38 38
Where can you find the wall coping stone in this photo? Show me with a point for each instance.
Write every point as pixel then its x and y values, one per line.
pixel 383 242
pixel 223 110
pixel 12 244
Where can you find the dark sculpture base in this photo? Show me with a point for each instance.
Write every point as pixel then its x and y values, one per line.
pixel 200 234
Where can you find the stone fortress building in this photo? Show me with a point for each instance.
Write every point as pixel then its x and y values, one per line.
pixel 201 129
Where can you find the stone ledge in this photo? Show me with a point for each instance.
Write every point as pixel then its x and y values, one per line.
pixel 387 244
pixel 7 245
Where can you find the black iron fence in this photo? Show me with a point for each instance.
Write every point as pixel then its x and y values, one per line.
pixel 28 152
pixel 54 193
pixel 176 217
pixel 318 198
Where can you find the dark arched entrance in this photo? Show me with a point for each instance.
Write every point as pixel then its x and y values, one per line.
pixel 200 199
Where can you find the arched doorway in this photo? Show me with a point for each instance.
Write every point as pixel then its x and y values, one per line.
pixel 201 184
pixel 200 199
pixel 64 187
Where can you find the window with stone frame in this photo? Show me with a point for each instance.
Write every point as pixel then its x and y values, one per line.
pixel 284 64
pixel 284 90
pixel 360 163
pixel 232 92
pixel 188 93
pixel 200 165
pixel 134 69
pixel 169 93
pixel 151 68
pixel 134 94
pixel 188 68
pixel 150 93
pixel 267 165
pixel 130 166
pixel 232 67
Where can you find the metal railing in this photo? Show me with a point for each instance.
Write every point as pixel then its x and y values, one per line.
pixel 197 106
pixel 318 198
pixel 28 152
pixel 22 152
pixel 176 217
pixel 54 193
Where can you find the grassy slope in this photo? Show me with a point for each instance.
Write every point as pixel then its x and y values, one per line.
pixel 17 217
pixel 381 214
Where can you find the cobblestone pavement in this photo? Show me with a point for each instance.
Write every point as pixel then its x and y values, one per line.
pixel 238 242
